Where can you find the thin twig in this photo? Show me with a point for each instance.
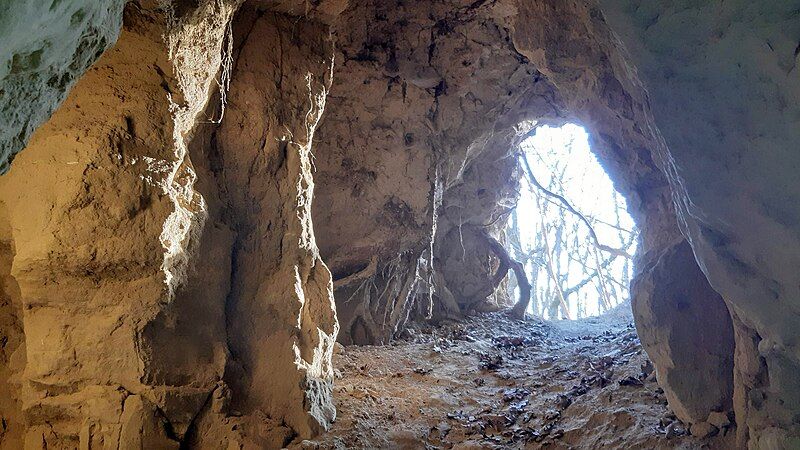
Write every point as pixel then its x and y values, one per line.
pixel 570 208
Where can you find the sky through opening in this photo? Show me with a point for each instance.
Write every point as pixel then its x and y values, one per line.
pixel 571 275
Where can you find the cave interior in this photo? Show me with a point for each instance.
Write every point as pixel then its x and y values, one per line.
pixel 250 223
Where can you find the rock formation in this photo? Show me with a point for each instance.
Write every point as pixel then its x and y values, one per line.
pixel 47 46
pixel 161 277
pixel 724 95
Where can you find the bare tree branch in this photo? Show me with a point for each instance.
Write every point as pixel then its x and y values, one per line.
pixel 577 287
pixel 570 208
pixel 519 270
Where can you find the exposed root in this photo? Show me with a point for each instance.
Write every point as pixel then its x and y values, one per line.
pixel 506 262
pixel 385 294
pixel 365 274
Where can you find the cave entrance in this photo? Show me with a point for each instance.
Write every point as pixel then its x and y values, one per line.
pixel 571 228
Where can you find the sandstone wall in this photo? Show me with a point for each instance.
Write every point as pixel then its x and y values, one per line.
pixel 138 296
pixel 280 314
pixel 724 90
pixel 88 255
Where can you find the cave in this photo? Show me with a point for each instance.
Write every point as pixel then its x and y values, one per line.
pixel 279 224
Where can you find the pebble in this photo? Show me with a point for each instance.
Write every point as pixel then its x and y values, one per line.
pixel 719 419
pixel 703 430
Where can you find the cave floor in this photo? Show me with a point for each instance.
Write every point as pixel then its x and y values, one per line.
pixel 495 382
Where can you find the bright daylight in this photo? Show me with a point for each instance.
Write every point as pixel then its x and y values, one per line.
pixel 572 272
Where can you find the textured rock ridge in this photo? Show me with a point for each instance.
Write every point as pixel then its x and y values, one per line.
pixel 280 312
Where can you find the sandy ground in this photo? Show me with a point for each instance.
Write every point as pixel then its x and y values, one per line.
pixel 493 382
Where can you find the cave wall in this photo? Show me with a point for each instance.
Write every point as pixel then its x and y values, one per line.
pixel 417 154
pixel 553 63
pixel 724 92
pixel 83 286
pixel 137 297
pixel 401 123
pixel 406 141
pixel 101 326
pixel 37 69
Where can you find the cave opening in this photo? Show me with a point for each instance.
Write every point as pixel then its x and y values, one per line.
pixel 570 229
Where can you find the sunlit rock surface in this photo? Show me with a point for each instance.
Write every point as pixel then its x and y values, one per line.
pixel 126 291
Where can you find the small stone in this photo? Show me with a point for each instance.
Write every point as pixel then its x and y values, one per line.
pixel 703 430
pixel 630 381
pixel 309 445
pixel 719 419
pixel 338 348
pixel 647 368
pixel 563 401
pixel 552 415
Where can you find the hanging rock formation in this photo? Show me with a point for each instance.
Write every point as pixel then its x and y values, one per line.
pixel 161 283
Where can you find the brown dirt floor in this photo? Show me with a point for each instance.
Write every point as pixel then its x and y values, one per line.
pixel 492 382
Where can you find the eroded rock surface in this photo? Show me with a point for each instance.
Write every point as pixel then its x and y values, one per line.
pixel 46 47
pixel 280 314
pixel 127 302
pixel 87 254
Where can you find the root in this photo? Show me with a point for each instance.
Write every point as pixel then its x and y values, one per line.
pixel 448 301
pixel 362 275
pixel 506 262
pixel 385 294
